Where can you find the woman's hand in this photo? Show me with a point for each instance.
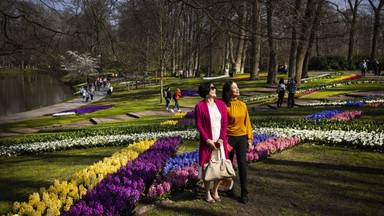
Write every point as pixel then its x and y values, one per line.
pixel 220 141
pixel 249 146
pixel 211 144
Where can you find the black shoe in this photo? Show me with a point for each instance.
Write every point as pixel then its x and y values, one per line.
pixel 231 193
pixel 244 199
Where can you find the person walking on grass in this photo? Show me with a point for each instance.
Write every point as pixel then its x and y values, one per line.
pixel 239 132
pixel 176 96
pixel 168 97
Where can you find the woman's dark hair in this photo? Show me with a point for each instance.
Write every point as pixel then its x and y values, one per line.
pixel 204 89
pixel 281 80
pixel 226 95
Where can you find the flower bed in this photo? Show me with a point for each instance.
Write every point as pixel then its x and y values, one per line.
pixel 356 103
pixel 309 89
pixel 347 115
pixel 189 93
pixel 119 192
pixel 62 194
pixel 365 139
pixel 335 115
pixel 322 76
pixel 325 114
pixel 169 122
pixel 186 122
pixel 189 134
pixel 182 170
pixel 87 142
pixel 81 110
pixel 63 114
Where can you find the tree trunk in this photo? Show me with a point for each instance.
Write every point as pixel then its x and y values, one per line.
pixel 244 56
pixel 240 49
pixel 376 26
pixel 272 61
pixel 352 31
pixel 293 50
pixel 210 52
pixel 316 23
pixel 161 57
pixel 255 41
pixel 303 43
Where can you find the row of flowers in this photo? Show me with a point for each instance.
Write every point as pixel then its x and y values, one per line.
pixel 310 89
pixel 369 139
pixel 322 76
pixel 119 139
pixel 335 115
pixel 80 111
pixel 371 102
pixel 188 159
pixel 189 92
pixel 87 142
pixel 184 119
pixel 348 77
pixel 182 170
pixel 63 194
pixel 119 192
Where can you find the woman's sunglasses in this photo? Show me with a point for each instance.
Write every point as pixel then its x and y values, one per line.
pixel 213 87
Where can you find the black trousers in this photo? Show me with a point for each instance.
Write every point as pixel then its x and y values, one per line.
pixel 291 99
pixel 240 148
pixel 280 99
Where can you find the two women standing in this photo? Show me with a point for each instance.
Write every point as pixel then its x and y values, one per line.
pixel 225 123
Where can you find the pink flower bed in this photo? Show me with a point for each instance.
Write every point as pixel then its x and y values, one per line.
pixel 347 115
pixel 266 148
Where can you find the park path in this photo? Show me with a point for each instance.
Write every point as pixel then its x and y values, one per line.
pixel 60 107
pixel 72 104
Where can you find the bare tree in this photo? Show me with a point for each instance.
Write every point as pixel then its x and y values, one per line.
pixel 255 40
pixel 294 38
pixel 240 50
pixel 272 60
pixel 315 26
pixel 376 25
pixel 305 32
pixel 350 15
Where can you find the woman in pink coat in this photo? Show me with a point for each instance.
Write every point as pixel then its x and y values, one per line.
pixel 211 122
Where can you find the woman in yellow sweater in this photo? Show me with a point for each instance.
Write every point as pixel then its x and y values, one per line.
pixel 239 132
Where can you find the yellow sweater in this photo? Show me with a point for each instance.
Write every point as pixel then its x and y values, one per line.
pixel 239 123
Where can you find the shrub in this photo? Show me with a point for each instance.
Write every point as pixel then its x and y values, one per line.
pixel 327 63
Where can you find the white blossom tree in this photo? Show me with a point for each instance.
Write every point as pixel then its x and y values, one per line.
pixel 84 63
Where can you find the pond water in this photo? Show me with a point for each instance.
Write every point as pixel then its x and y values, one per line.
pixel 21 93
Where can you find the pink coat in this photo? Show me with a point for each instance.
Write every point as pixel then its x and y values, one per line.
pixel 203 125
